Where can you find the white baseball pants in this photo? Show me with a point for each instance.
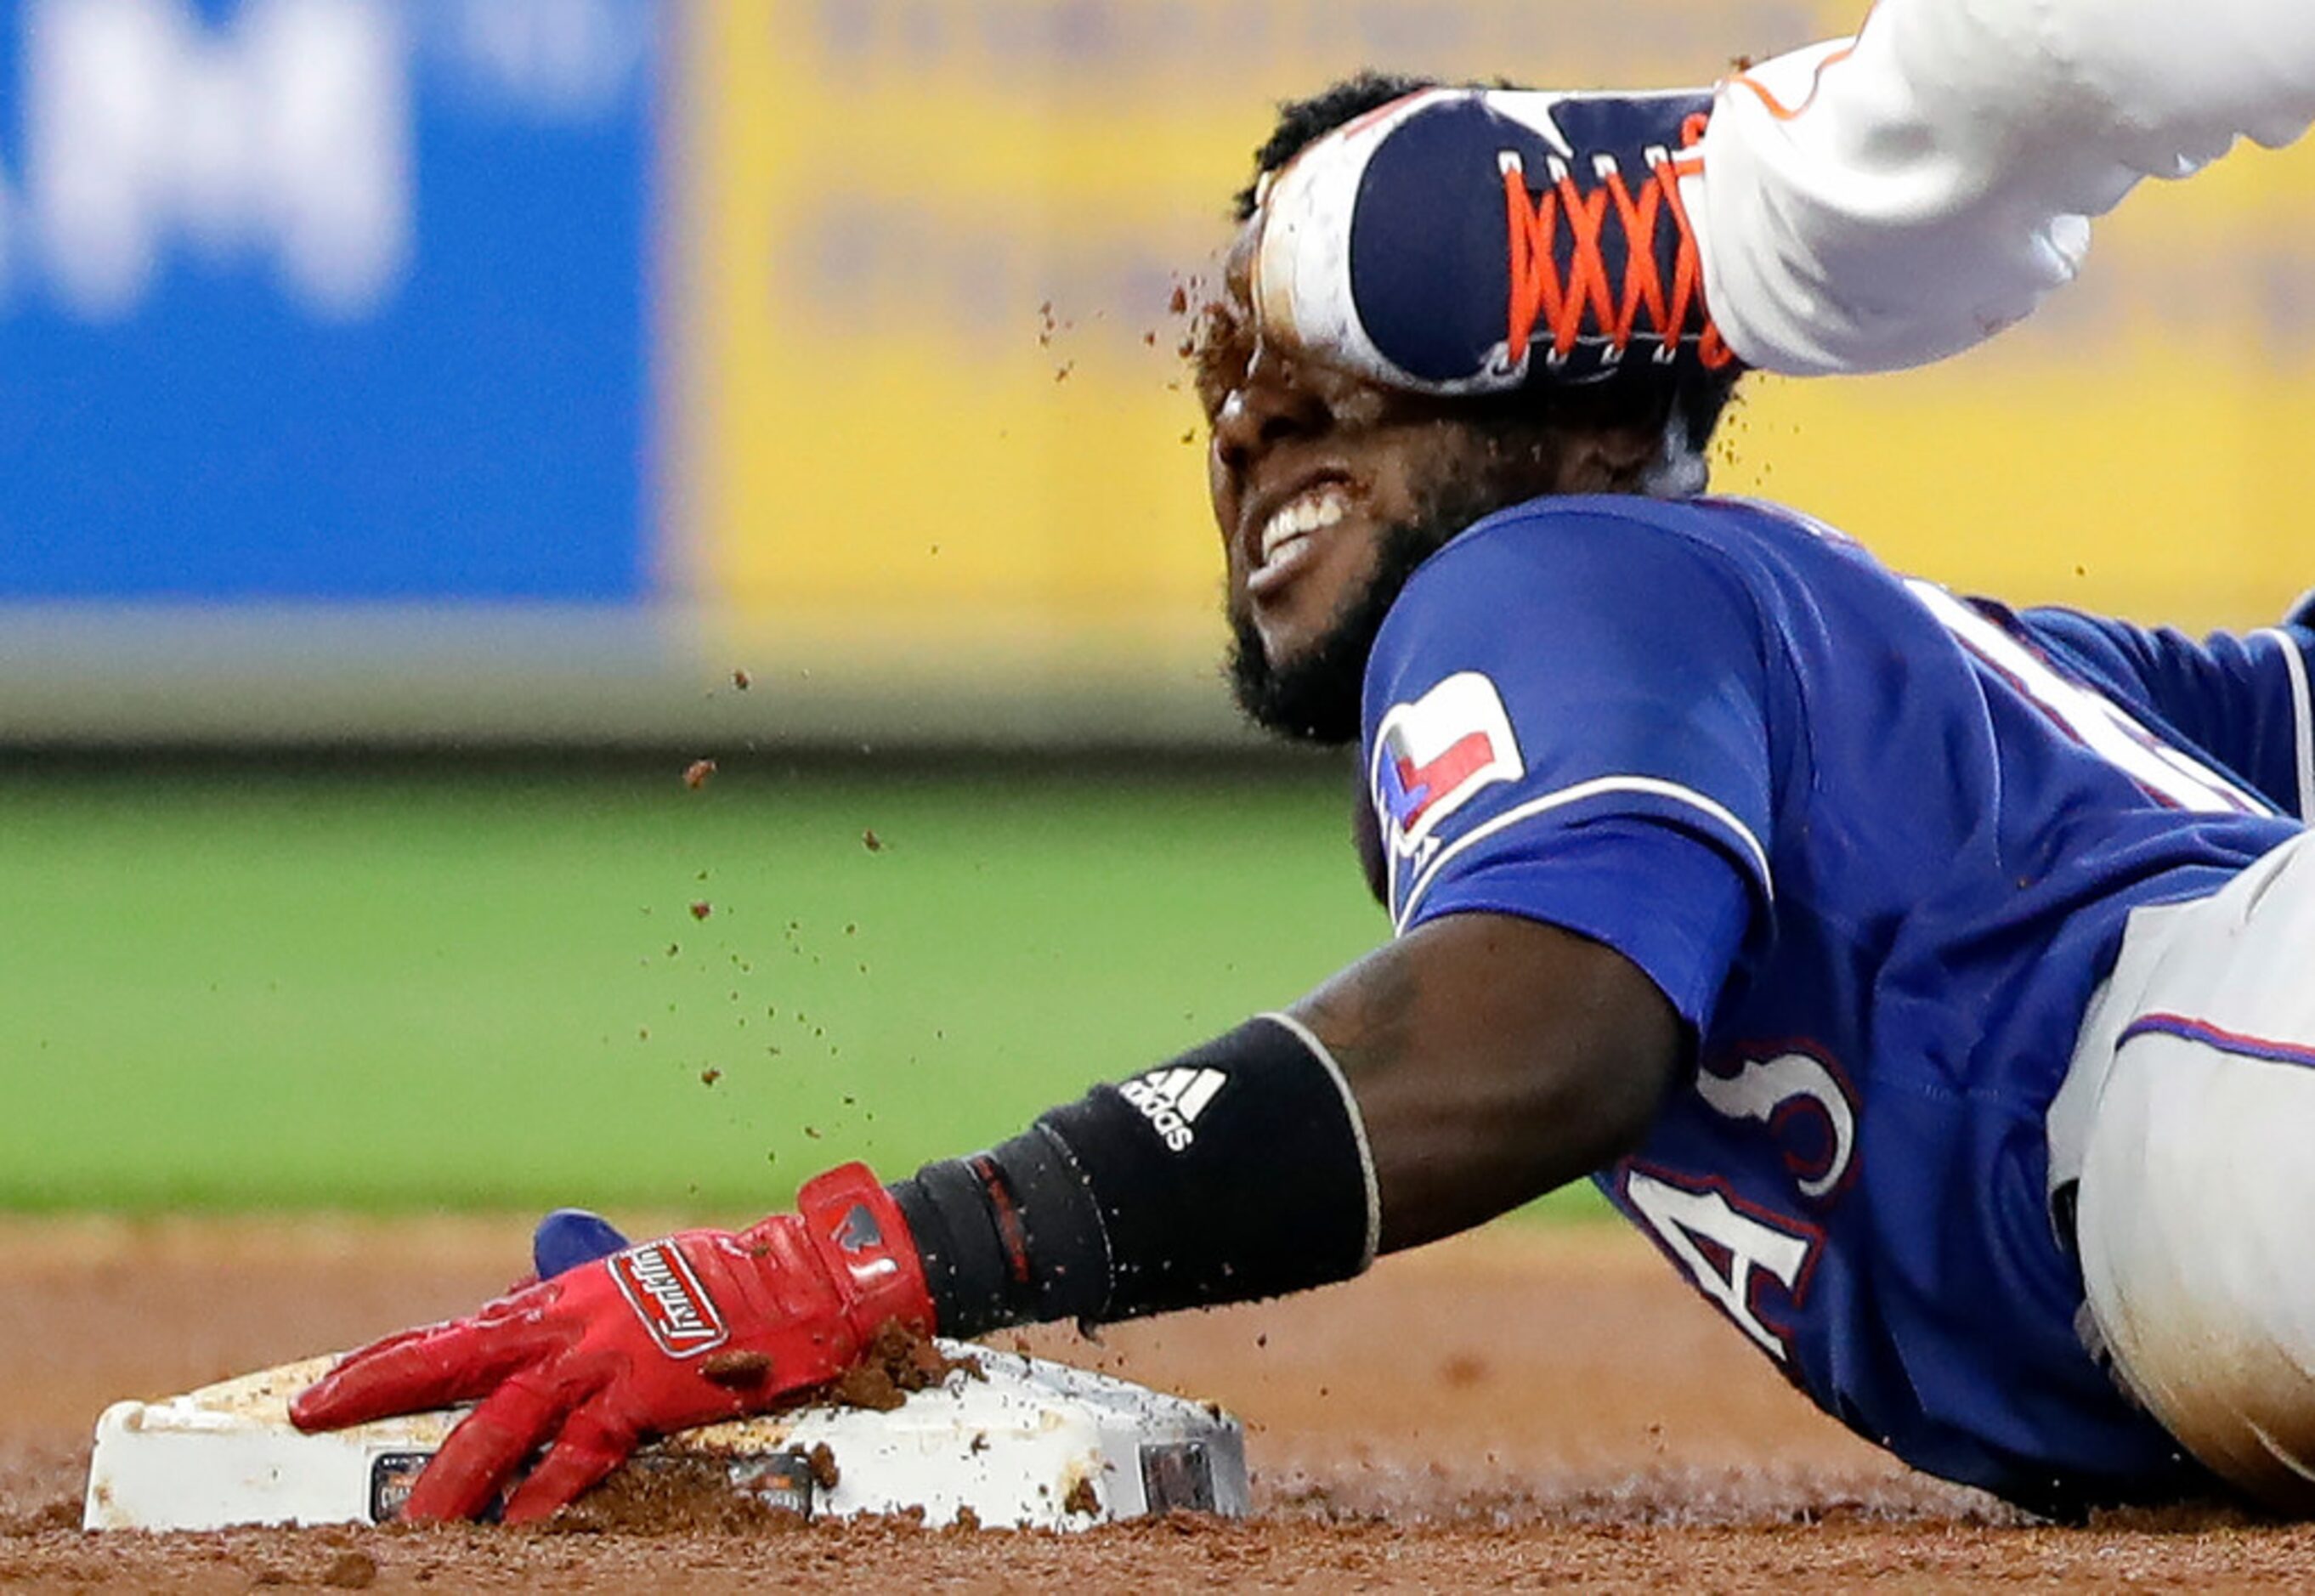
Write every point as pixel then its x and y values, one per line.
pixel 2189 1115
pixel 1879 202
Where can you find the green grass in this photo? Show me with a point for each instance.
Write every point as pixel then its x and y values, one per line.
pixel 264 990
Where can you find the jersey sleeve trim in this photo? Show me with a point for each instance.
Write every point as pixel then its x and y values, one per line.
pixel 1725 820
pixel 2303 717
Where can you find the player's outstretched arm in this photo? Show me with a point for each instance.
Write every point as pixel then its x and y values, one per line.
pixel 1476 1062
pixel 1492 1060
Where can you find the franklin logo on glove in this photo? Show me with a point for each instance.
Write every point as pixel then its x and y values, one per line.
pixel 668 1299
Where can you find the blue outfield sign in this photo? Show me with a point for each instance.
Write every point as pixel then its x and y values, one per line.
pixel 325 299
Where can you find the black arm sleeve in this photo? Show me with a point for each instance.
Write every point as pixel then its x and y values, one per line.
pixel 1237 1171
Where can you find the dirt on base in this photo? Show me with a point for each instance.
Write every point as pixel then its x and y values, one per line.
pixel 899 1362
pixel 1520 1409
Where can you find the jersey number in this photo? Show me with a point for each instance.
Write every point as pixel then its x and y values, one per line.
pixel 2088 716
pixel 1729 1248
pixel 2085 715
pixel 1727 1251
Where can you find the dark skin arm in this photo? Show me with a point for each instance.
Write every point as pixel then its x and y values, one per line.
pixel 1494 1059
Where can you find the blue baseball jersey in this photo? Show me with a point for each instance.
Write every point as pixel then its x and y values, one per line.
pixel 1877 844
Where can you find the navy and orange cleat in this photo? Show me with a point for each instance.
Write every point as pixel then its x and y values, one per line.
pixel 1472 241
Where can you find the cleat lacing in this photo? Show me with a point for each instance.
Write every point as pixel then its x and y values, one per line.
pixel 1584 302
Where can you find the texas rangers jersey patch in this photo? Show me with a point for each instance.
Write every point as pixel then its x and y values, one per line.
pixel 1435 755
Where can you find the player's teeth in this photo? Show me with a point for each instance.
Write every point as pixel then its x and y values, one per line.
pixel 1307 513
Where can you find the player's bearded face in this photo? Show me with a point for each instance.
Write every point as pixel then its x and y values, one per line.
pixel 1328 491
pixel 1309 690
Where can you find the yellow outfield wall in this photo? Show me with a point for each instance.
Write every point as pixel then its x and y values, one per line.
pixel 923 411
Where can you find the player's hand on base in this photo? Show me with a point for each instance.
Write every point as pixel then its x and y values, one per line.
pixel 692 1328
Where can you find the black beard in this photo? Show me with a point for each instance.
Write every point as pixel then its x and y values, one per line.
pixel 1316 698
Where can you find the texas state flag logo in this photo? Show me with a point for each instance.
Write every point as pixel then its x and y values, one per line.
pixel 1435 755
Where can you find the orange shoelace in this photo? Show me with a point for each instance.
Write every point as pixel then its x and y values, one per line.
pixel 1564 304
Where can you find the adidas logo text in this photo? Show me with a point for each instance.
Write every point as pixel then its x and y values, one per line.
pixel 1171 1100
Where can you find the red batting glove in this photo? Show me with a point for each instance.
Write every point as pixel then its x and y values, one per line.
pixel 695 1327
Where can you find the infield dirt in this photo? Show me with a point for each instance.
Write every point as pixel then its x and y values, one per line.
pixel 1527 1408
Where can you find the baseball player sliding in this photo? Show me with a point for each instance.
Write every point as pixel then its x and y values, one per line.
pixel 1928 981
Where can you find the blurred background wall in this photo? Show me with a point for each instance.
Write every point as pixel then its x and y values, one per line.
pixel 420 409
pixel 412 371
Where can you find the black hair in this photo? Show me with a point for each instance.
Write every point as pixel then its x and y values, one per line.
pixel 1303 122
pixel 1640 396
